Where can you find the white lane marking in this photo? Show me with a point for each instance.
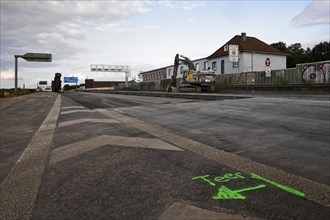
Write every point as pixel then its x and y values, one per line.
pixel 314 191
pixel 75 111
pixel 83 120
pixel 70 107
pixel 81 147
pixel 19 190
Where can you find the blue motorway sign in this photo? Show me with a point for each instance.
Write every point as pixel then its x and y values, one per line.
pixel 70 79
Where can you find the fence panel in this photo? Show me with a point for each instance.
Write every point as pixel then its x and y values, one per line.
pixel 291 76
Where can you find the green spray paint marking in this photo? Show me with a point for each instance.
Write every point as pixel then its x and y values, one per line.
pixel 286 188
pixel 205 179
pixel 221 179
pixel 226 193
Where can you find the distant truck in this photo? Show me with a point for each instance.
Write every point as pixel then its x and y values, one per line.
pixel 57 83
pixel 42 86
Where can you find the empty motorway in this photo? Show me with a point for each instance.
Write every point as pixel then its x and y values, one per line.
pixel 79 155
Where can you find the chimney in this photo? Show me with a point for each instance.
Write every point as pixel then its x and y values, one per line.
pixel 243 36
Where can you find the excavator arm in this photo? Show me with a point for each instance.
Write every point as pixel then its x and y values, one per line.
pixel 177 61
pixel 175 70
pixel 186 61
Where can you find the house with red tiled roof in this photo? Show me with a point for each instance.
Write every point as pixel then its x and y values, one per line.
pixel 253 55
pixel 240 54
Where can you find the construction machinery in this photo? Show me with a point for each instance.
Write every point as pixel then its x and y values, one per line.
pixel 192 80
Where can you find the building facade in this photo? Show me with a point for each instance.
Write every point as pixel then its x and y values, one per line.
pixel 91 84
pixel 253 55
pixel 154 75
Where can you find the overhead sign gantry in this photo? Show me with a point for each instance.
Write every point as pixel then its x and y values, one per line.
pixel 112 68
pixel 31 57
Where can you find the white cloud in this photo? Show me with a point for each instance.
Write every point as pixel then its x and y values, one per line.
pixel 53 26
pixel 151 27
pixel 316 13
pixel 113 28
pixel 145 34
pixel 192 5
pixel 7 74
pixel 184 5
pixel 166 4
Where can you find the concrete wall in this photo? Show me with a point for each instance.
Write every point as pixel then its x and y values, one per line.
pixel 248 62
pixel 251 62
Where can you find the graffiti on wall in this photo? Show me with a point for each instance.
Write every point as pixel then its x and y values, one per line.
pixel 318 73
pixel 226 193
pixel 279 73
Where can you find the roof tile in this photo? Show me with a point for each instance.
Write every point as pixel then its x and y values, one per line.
pixel 249 44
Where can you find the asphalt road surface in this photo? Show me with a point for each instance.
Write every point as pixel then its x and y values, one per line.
pixel 84 155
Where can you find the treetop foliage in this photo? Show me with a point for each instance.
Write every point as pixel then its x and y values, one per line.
pixel 297 54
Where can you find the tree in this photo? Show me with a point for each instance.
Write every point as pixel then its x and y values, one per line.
pixel 297 54
pixel 280 46
pixel 321 52
pixel 67 87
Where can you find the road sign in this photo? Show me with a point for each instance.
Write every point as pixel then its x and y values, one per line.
pixel 268 72
pixel 233 53
pixel 31 57
pixel 37 57
pixel 70 79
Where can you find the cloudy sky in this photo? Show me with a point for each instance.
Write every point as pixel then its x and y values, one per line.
pixel 143 34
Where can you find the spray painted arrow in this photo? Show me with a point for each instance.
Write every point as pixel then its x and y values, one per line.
pixel 226 193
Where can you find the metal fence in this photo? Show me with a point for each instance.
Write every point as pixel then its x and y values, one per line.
pixel 307 73
pixel 303 74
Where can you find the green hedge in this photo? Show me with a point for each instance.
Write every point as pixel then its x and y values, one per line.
pixel 11 92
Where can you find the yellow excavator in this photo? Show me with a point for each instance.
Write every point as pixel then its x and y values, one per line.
pixel 192 80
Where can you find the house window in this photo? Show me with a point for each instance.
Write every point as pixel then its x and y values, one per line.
pixel 222 66
pixel 181 69
pixel 206 66
pixel 169 72
pixel 197 66
pixel 214 65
